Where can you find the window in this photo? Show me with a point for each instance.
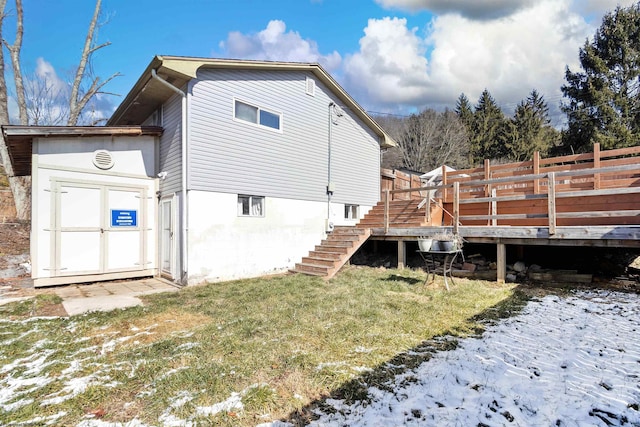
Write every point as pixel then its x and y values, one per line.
pixel 252 114
pixel 351 211
pixel 250 206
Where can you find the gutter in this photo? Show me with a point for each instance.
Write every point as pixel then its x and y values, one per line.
pixel 185 200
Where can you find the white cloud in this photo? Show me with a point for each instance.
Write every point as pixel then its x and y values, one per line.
pixel 45 71
pixel 475 9
pixel 509 56
pixel 274 43
pixel 391 66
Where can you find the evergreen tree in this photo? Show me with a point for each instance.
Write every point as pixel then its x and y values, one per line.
pixel 487 138
pixel 604 99
pixel 529 129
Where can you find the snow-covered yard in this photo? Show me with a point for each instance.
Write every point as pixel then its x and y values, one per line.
pixel 564 361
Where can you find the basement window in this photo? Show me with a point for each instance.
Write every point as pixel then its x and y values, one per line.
pixel 251 206
pixel 257 115
pixel 351 212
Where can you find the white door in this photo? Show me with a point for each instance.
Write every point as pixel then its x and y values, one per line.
pixel 99 229
pixel 79 231
pixel 167 244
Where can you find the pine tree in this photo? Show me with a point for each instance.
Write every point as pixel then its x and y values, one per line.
pixel 530 129
pixel 604 99
pixel 486 141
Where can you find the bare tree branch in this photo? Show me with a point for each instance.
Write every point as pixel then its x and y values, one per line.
pixel 74 108
pixel 93 90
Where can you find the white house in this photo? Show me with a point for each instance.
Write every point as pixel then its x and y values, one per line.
pixel 255 163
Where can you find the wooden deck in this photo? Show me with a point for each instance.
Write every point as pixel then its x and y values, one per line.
pixel 590 199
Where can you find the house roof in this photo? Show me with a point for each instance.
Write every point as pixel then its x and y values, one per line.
pixel 149 93
pixel 19 139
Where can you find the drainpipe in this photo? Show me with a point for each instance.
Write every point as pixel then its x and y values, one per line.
pixel 185 204
pixel 330 186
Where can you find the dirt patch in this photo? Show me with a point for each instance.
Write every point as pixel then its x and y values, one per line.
pixel 153 327
pixel 14 241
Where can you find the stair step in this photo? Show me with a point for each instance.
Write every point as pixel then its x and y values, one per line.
pixel 332 248
pixel 326 254
pixel 319 261
pixel 343 238
pixel 312 268
pixel 347 230
pixel 338 243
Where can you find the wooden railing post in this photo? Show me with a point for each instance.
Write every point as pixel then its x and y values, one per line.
pixel 487 176
pixel 536 171
pixel 444 182
pixel 596 165
pixel 456 206
pixel 386 211
pixel 494 207
pixel 551 203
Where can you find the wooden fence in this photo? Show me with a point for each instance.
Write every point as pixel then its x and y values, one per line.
pixel 599 188
pixel 391 180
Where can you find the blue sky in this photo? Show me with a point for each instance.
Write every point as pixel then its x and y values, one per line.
pixel 396 56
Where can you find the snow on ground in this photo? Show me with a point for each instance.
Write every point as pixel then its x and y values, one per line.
pixel 564 361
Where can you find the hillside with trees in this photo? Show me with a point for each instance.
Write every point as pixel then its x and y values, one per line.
pixel 601 104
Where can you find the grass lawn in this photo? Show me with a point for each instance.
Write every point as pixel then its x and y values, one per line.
pixel 235 353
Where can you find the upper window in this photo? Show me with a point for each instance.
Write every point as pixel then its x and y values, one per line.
pixel 256 115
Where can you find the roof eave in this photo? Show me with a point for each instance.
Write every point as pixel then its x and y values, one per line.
pixel 186 68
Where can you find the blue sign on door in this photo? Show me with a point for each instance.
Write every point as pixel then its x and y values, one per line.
pixel 124 218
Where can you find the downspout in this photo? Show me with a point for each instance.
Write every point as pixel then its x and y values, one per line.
pixel 329 184
pixel 185 204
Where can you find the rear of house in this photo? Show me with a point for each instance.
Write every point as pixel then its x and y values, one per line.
pixel 257 161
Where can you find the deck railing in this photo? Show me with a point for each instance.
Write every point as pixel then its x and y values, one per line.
pixel 599 188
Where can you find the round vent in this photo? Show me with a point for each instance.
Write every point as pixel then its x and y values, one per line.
pixel 103 159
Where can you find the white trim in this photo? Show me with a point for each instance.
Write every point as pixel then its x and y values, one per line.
pixel 92 171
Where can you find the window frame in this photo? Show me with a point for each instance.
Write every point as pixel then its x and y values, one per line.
pixel 351 209
pixel 259 109
pixel 251 197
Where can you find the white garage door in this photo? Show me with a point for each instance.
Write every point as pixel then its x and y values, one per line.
pixel 100 229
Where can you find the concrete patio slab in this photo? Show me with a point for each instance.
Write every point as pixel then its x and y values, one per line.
pixel 107 296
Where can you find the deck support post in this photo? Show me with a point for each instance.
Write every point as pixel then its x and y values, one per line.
pixel 501 262
pixel 402 254
pixel 456 206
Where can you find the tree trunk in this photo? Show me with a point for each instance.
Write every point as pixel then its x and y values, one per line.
pixel 20 186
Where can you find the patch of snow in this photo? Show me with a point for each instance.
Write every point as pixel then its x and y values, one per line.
pixel 233 403
pixel 188 346
pixel 562 361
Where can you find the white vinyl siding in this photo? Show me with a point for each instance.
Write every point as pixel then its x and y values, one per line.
pixel 226 155
pixel 171 145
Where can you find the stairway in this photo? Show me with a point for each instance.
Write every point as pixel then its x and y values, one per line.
pixel 339 246
pixel 333 252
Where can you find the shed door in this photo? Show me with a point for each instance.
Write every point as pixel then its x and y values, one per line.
pixel 100 229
